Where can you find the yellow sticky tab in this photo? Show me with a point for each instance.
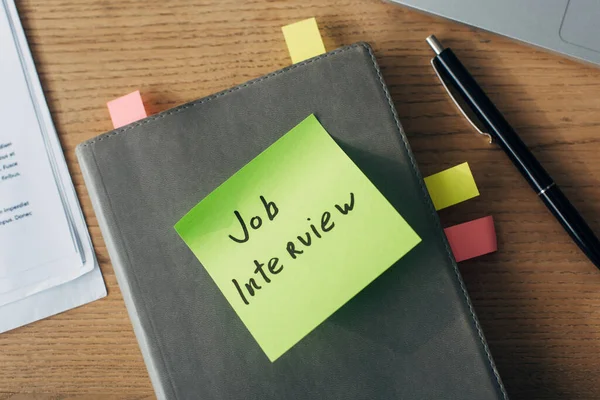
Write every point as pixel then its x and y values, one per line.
pixel 451 186
pixel 303 39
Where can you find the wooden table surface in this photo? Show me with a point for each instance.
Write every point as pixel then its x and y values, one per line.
pixel 538 297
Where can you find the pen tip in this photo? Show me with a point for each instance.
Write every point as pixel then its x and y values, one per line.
pixel 435 44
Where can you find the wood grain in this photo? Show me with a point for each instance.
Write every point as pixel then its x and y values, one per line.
pixel 538 298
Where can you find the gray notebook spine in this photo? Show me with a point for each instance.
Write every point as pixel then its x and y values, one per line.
pixel 120 260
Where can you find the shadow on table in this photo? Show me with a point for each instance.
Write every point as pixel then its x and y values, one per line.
pixel 506 315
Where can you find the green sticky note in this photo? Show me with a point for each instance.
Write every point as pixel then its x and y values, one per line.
pixel 294 235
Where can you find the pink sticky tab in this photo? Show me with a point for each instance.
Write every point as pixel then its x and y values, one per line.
pixel 472 239
pixel 126 109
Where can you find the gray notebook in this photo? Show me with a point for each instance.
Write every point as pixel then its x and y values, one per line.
pixel 411 334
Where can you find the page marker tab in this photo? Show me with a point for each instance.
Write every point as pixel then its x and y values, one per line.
pixel 472 239
pixel 303 39
pixel 126 109
pixel 451 186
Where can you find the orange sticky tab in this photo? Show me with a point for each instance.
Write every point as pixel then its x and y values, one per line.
pixel 126 109
pixel 472 239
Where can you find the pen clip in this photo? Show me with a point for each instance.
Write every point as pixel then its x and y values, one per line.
pixel 466 111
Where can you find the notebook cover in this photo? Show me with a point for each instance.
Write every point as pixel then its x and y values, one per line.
pixel 411 334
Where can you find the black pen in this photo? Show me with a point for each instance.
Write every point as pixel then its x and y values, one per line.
pixel 486 118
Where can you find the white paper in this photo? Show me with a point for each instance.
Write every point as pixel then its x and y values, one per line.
pixel 33 226
pixel 82 290
pixel 38 246
pixel 51 287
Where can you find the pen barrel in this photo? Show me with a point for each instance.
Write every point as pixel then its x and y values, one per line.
pixel 573 222
pixel 494 122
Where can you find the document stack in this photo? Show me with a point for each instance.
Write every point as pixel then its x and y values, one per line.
pixel 47 261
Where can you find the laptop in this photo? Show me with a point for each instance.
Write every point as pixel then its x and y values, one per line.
pixel 566 27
